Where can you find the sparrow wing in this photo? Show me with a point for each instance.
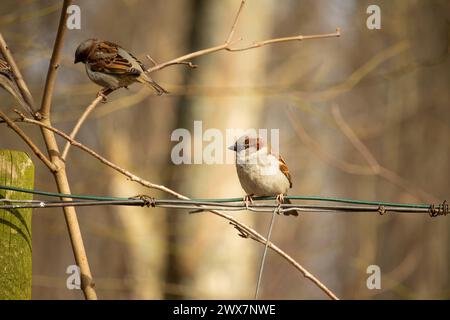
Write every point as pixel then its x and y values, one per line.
pixel 7 82
pixel 5 69
pixel 136 60
pixel 108 57
pixel 284 169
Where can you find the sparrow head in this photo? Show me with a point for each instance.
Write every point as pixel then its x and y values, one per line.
pixel 247 142
pixel 84 49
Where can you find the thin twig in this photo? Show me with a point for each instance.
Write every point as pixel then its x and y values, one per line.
pixel 241 226
pixel 187 57
pixel 245 233
pixel 79 123
pixel 352 168
pixel 285 39
pixel 236 18
pixel 355 141
pixel 54 62
pixel 186 63
pixel 60 175
pixel 373 163
pixel 227 45
pixel 153 61
pixel 6 52
pixel 28 141
pixel 103 160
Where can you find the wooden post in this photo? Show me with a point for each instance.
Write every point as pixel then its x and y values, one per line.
pixel 16 169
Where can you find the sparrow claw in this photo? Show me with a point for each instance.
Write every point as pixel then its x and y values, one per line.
pixel 280 198
pixel 102 94
pixel 248 200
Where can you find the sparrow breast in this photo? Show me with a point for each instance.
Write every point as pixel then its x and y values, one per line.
pixel 260 174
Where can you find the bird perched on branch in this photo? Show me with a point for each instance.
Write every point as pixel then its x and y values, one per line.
pixel 260 172
pixel 112 67
pixel 7 82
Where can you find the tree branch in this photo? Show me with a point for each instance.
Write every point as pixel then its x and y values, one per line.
pixel 60 175
pixel 236 19
pixel 286 39
pixel 244 229
pixel 54 62
pixel 82 119
pixel 28 141
pixel 4 49
pixel 227 45
pixel 373 163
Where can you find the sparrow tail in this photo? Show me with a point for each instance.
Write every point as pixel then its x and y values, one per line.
pixel 292 213
pixel 152 83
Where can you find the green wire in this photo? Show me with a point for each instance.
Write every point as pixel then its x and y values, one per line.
pixel 314 198
pixel 60 195
pixel 330 199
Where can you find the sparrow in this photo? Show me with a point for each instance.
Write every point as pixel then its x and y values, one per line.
pixel 112 67
pixel 260 172
pixel 7 82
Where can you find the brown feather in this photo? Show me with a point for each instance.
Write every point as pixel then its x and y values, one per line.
pixel 5 69
pixel 105 58
pixel 285 170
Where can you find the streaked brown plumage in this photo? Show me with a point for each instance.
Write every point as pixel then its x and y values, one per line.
pixel 111 66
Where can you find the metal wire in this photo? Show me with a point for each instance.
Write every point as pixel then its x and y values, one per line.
pixel 229 204
pixel 206 206
pixel 226 200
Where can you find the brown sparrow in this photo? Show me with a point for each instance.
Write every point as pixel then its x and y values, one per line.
pixel 260 172
pixel 111 66
pixel 8 83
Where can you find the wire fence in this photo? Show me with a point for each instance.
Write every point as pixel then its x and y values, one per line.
pixel 260 204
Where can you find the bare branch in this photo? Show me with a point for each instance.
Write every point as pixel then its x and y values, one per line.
pixel 153 61
pixel 54 62
pixel 286 39
pixel 79 123
pixel 4 49
pixel 82 119
pixel 227 45
pixel 236 18
pixel 351 136
pixel 351 168
pixel 103 160
pixel 28 141
pixel 246 233
pixel 253 234
pixel 377 169
pixel 188 56
pixel 186 63
pixel 60 175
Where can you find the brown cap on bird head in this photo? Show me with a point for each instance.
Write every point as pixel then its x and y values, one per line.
pixel 83 50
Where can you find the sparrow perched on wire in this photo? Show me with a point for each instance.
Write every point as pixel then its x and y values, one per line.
pixel 112 67
pixel 7 82
pixel 260 172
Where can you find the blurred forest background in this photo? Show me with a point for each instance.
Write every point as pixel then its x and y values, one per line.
pixel 388 87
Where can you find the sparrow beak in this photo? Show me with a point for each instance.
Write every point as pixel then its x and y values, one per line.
pixel 232 147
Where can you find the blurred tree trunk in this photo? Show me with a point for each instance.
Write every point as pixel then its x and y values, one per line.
pixel 138 139
pixel 207 257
